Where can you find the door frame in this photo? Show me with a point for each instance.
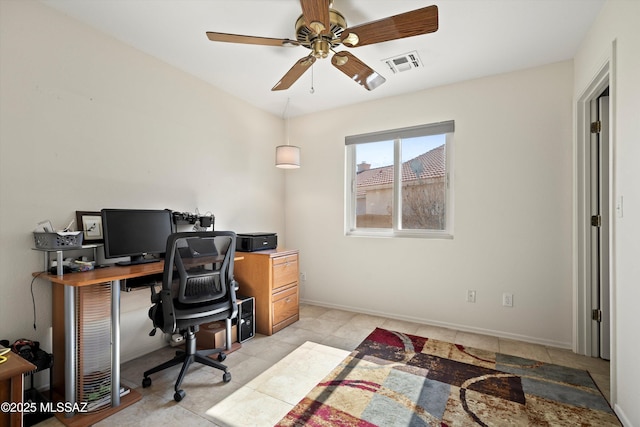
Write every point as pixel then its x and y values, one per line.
pixel 583 296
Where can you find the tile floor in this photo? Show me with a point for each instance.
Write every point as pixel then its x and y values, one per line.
pixel 270 396
pixel 334 328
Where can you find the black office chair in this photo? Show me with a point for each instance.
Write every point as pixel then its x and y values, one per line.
pixel 197 288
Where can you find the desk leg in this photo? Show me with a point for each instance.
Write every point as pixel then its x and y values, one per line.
pixel 115 343
pixel 228 339
pixel 70 345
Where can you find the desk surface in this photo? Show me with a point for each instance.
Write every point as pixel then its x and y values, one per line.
pixel 108 274
pixel 15 365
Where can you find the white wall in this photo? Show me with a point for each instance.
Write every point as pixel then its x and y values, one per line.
pixel 513 210
pixel 88 122
pixel 618 25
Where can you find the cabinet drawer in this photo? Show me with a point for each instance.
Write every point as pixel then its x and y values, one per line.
pixel 285 270
pixel 285 305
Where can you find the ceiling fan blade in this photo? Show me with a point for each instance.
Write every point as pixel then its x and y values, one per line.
pixel 408 24
pixel 295 72
pixel 235 38
pixel 316 14
pixel 357 70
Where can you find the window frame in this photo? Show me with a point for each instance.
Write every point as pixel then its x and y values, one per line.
pixel 446 128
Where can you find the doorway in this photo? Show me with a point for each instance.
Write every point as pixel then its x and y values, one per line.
pixel 594 327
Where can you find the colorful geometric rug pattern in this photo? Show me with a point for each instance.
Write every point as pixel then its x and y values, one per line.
pixel 396 379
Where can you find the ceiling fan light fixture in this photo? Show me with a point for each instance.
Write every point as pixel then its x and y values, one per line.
pixel 321 29
pixel 321 48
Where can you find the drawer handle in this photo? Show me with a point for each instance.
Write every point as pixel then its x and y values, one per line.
pixel 287 300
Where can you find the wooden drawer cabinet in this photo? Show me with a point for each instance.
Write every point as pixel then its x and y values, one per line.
pixel 285 271
pixel 271 277
pixel 285 307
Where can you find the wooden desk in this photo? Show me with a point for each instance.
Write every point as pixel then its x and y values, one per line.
pixel 71 294
pixel 11 387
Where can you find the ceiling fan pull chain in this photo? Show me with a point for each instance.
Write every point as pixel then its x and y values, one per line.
pixel 312 91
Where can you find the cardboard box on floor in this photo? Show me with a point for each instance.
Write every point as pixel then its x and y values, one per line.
pixel 213 334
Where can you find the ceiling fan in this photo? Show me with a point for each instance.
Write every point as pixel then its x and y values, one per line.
pixel 321 29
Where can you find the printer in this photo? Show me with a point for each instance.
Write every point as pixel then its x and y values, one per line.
pixel 258 241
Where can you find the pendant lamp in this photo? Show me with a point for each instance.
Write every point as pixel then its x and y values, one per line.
pixel 287 156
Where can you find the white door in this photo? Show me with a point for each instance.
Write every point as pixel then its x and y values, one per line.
pixel 600 226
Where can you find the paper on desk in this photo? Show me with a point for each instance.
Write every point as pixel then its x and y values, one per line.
pixel 44 227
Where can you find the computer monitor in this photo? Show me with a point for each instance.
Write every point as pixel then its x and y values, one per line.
pixel 135 233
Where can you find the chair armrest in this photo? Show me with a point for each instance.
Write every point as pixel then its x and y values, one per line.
pixel 167 312
pixel 155 297
pixel 234 302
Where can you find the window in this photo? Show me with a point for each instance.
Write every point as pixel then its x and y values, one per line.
pixel 398 182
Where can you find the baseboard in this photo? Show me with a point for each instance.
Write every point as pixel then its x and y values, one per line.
pixel 622 416
pixel 430 322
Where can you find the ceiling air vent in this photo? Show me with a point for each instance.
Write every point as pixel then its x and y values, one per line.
pixel 404 62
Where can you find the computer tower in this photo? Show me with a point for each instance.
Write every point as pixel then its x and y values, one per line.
pixel 246 316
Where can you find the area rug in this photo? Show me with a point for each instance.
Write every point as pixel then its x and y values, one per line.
pixel 396 379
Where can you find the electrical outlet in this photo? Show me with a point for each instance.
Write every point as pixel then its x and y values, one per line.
pixel 303 276
pixel 507 300
pixel 471 296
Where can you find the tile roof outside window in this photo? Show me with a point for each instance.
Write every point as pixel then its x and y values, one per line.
pixel 432 164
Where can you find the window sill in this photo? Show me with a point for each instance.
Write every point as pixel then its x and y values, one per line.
pixel 442 235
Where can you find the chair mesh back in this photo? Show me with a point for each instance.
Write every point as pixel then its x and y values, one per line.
pixel 202 286
pixel 197 283
pixel 202 265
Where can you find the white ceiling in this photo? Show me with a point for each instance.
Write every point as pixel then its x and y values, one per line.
pixel 475 38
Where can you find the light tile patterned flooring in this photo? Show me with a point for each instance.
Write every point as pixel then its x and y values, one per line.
pixel 266 399
pixel 335 328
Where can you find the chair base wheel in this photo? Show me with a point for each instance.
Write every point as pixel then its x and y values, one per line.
pixel 179 395
pixel 226 377
pixel 221 357
pixel 146 382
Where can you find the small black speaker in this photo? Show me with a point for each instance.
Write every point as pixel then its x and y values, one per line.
pixel 246 315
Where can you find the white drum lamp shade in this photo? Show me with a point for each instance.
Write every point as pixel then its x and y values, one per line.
pixel 287 156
